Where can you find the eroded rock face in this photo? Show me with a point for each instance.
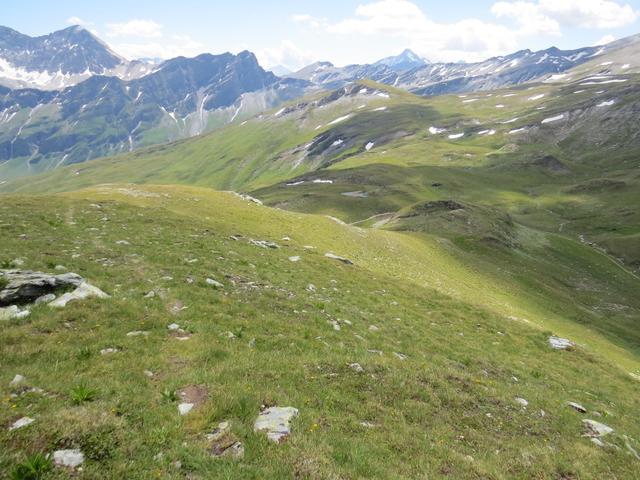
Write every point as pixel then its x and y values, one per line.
pixel 275 421
pixel 25 286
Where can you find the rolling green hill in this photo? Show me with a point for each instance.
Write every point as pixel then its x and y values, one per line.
pixel 443 368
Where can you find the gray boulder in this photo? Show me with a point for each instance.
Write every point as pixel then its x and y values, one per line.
pixel 275 421
pixel 25 286
pixel 84 290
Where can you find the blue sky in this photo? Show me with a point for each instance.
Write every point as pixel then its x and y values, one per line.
pixel 297 32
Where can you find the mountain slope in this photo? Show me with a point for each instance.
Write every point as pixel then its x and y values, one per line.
pixel 103 116
pixel 440 385
pixel 538 187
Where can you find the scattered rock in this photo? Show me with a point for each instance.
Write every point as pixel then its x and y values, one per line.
pixel 60 268
pixel 224 443
pixel 185 408
pixel 264 244
pixel 376 352
pixel 596 429
pixel 17 380
pixel 521 401
pixel 577 407
pixel 295 258
pixel 176 307
pixel 598 442
pixel 561 343
pixel 373 328
pixel 368 425
pixel 108 351
pixel 23 422
pixel 356 367
pixel 13 313
pixel 25 286
pixel 151 294
pixel 335 324
pixel 276 422
pixel 122 242
pixel 138 333
pixel 84 291
pixel 346 261
pixel 401 356
pixel 148 374
pixel 214 283
pixel 311 288
pixel 68 458
pixel 174 327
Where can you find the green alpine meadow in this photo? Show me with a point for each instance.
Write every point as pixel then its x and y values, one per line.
pixel 406 269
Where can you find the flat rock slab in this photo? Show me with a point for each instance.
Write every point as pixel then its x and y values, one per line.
pixel 25 286
pixel 346 261
pixel 275 421
pixel 558 343
pixel 22 422
pixel 596 429
pixel 577 407
pixel 84 291
pixel 68 458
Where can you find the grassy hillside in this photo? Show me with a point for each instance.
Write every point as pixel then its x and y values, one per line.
pixel 443 364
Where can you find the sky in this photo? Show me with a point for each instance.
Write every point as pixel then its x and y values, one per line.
pixel 295 33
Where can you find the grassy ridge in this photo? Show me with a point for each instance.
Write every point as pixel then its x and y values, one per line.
pixel 447 410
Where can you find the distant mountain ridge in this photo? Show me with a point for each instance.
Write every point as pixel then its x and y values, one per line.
pixel 409 72
pixel 60 59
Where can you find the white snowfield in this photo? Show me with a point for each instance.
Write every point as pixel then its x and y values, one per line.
pixel 553 119
pixel 613 80
pixel 607 103
pixel 487 132
pixel 455 136
pixel 536 97
pixel 436 130
pixel 517 130
pixel 511 121
pixel 471 100
pixel 369 146
pixel 317 180
pixel 340 119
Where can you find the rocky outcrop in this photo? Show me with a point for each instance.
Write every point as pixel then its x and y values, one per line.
pixel 275 421
pixel 25 286
pixel 21 287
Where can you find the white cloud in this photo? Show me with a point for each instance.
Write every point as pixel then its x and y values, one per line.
pixel 286 54
pixel 135 28
pixel 604 40
pixel 469 39
pixel 530 19
pixel 175 46
pixel 472 39
pixel 78 21
pixel 577 13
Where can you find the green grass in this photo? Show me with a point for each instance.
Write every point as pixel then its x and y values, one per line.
pixel 82 393
pixel 35 467
pixel 448 410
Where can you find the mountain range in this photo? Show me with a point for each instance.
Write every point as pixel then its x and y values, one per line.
pixel 67 98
